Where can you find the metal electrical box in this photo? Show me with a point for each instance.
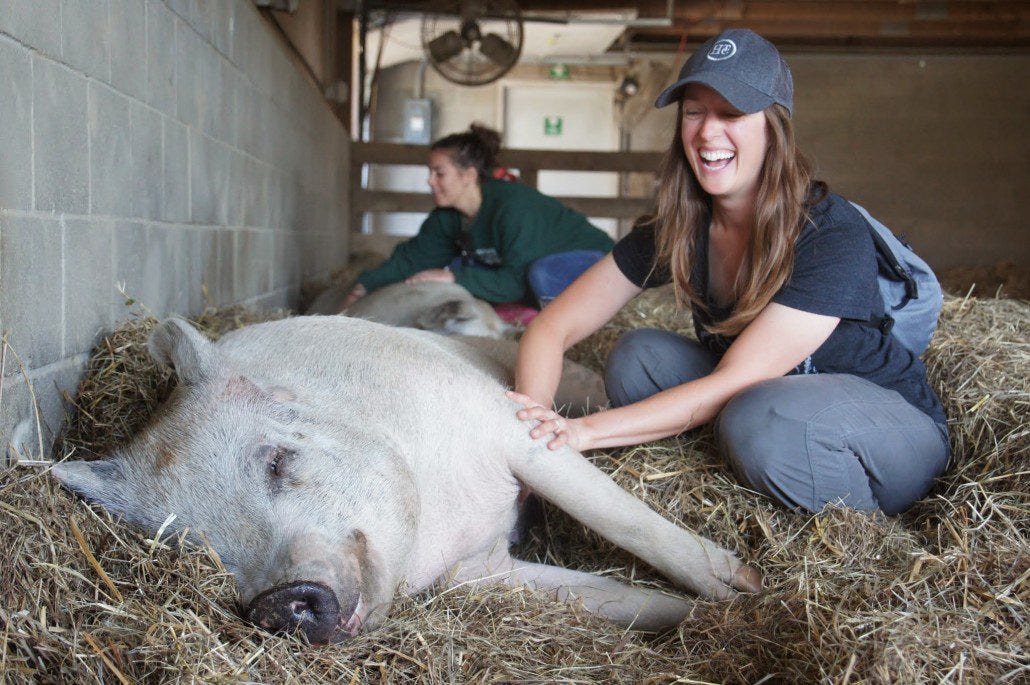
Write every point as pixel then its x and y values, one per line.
pixel 418 121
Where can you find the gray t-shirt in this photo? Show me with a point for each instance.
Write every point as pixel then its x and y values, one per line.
pixel 834 275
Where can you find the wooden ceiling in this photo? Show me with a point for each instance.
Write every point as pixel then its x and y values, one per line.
pixel 941 24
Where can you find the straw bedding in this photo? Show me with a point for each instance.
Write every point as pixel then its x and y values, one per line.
pixel 938 594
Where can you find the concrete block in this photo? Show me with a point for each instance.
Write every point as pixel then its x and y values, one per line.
pixel 202 268
pixel 161 40
pixel 189 64
pixel 147 165
pixel 88 279
pixel 226 240
pixel 129 47
pixel 30 288
pixel 86 37
pixel 16 132
pixel 223 28
pixel 291 193
pixel 225 124
pixel 110 163
pixel 176 180
pixel 252 45
pixel 61 160
pixel 39 402
pixel 253 273
pixel 310 211
pixel 184 8
pixel 286 265
pixel 249 194
pixel 275 185
pixel 33 22
pixel 138 270
pixel 209 180
pixel 210 94
pixel 169 244
pixel 200 17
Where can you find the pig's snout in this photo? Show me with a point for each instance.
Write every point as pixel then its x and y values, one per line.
pixel 309 607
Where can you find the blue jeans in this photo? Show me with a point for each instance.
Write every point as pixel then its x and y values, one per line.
pixel 548 276
pixel 806 440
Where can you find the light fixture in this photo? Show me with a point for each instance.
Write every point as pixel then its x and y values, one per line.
pixel 629 87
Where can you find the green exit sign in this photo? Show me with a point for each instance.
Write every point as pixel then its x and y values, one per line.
pixel 559 72
pixel 552 125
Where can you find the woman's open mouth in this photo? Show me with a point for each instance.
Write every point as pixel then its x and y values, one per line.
pixel 714 160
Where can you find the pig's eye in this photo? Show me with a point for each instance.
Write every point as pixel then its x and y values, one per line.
pixel 277 461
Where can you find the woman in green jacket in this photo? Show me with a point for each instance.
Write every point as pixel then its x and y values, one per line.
pixel 502 241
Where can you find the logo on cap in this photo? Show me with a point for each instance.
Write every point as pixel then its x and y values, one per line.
pixel 723 49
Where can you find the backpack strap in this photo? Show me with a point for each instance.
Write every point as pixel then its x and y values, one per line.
pixel 896 267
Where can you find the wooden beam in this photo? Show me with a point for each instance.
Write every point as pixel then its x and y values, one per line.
pixel 390 201
pixel 863 32
pixel 559 160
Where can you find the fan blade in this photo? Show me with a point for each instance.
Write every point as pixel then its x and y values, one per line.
pixel 498 50
pixel 443 47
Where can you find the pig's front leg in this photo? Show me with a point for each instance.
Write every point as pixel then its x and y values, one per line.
pixel 568 480
pixel 625 605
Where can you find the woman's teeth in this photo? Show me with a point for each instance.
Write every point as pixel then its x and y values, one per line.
pixel 716 160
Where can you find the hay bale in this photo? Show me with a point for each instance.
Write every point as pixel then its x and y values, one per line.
pixel 937 594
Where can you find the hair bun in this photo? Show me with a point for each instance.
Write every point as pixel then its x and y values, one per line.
pixel 489 139
pixel 476 147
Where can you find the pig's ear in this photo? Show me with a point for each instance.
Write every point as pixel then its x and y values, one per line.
pixel 444 316
pixel 98 481
pixel 177 344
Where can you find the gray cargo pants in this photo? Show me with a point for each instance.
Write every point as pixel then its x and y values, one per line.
pixel 807 441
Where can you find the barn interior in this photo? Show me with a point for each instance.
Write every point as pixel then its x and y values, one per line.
pixel 168 157
pixel 191 153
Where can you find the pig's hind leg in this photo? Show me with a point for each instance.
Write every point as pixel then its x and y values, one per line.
pixel 625 605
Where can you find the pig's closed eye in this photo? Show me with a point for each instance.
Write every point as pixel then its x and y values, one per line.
pixel 278 461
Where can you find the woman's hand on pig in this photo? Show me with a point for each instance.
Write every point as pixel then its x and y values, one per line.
pixel 551 423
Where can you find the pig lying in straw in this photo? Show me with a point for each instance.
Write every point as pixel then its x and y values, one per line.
pixel 331 462
pixel 446 308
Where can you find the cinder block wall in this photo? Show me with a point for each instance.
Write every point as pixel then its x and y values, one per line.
pixel 172 147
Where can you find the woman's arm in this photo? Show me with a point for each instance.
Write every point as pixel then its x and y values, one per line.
pixel 777 340
pixel 586 305
pixel 432 248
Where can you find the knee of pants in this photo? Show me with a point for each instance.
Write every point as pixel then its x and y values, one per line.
pixel 806 447
pixel 742 433
pixel 769 449
pixel 627 376
pixel 646 361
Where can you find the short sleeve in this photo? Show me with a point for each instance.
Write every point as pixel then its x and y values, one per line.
pixel 635 257
pixel 834 269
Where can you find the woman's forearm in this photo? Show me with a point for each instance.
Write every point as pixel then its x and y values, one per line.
pixel 539 364
pixel 665 414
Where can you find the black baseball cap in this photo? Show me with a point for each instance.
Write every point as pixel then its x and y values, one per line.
pixel 740 65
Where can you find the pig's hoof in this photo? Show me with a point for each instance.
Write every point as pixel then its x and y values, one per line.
pixel 747 579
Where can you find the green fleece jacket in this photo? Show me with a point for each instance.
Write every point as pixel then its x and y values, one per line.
pixel 515 225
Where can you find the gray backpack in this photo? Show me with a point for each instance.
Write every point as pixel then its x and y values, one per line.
pixel 911 294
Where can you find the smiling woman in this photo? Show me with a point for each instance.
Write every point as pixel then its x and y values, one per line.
pixel 813 403
pixel 501 241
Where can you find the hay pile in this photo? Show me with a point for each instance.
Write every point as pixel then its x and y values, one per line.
pixel 937 594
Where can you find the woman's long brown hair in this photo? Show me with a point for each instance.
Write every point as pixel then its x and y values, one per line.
pixel 785 191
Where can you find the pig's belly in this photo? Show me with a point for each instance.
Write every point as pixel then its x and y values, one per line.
pixel 457 524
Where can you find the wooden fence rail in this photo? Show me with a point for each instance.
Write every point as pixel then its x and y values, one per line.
pixel 528 162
